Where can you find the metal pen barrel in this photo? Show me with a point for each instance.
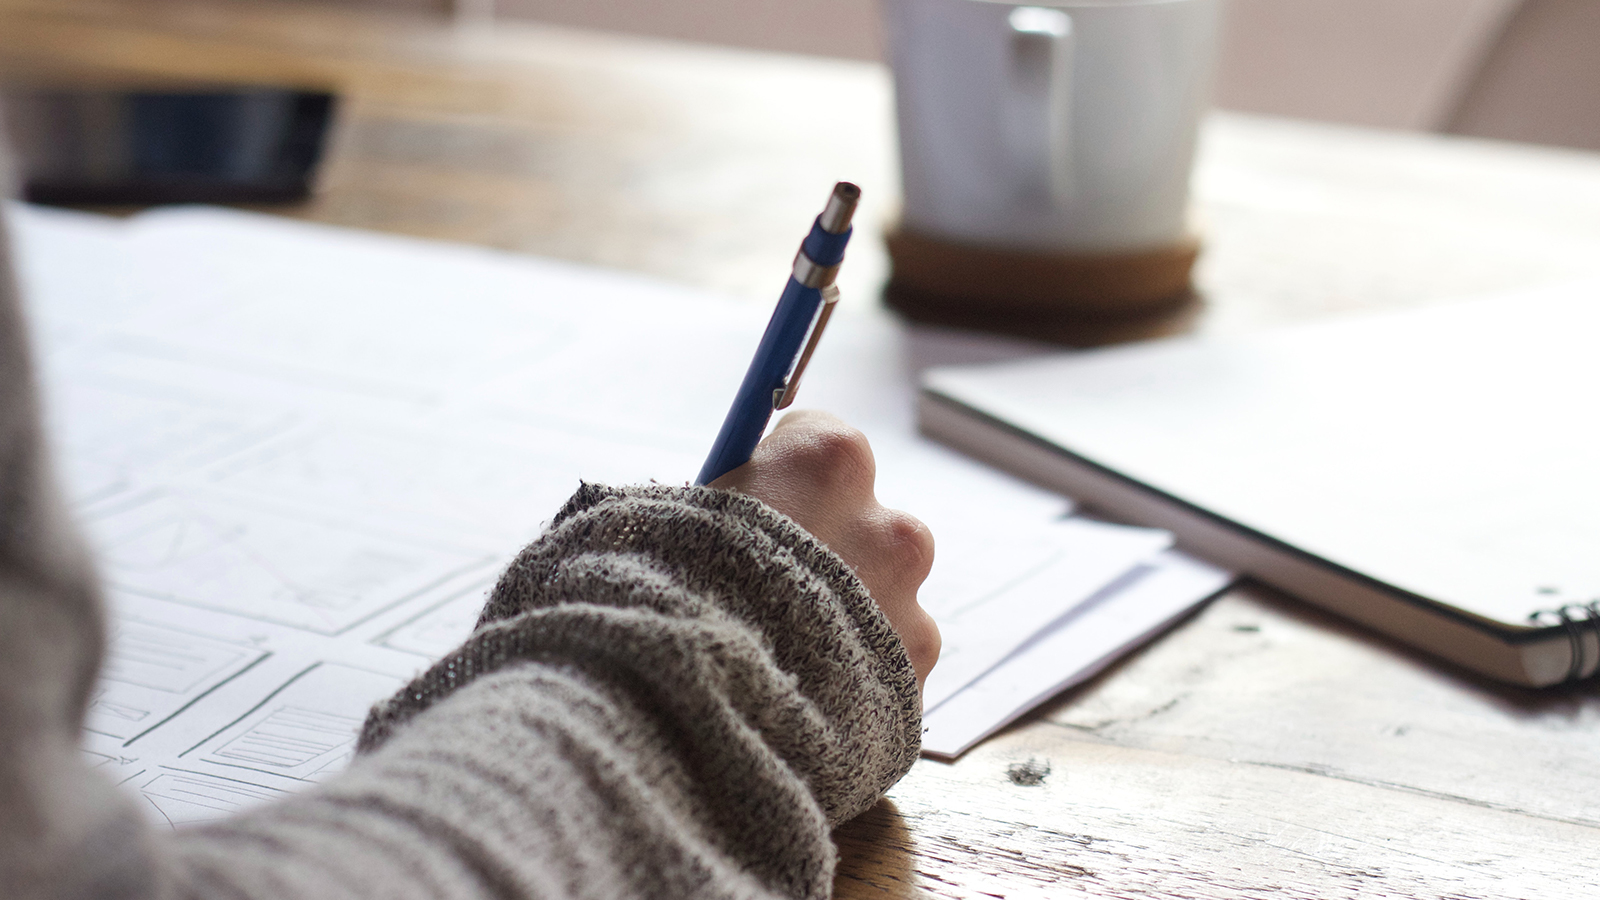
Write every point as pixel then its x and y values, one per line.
pixel 815 267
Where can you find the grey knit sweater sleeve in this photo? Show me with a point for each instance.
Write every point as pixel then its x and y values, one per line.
pixel 728 625
pixel 676 692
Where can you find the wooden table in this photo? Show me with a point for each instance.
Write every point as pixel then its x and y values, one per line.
pixel 1260 749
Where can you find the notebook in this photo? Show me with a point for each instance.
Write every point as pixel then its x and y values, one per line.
pixel 1431 473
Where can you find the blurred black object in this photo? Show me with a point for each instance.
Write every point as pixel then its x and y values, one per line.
pixel 240 145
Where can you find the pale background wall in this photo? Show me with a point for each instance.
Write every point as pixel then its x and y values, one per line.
pixel 1541 80
pixel 1397 63
pixel 1515 69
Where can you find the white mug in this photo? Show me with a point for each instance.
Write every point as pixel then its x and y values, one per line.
pixel 1060 125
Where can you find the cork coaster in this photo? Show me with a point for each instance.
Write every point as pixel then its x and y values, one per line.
pixel 1067 298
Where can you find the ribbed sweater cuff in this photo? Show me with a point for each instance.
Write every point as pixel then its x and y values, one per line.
pixel 715 611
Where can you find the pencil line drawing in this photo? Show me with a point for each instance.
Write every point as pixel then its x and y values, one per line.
pixel 262 564
pixel 290 736
pixel 153 672
pixel 437 630
pixel 304 729
pixel 180 798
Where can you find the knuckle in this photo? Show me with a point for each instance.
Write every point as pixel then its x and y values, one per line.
pixel 923 644
pixel 838 455
pixel 910 542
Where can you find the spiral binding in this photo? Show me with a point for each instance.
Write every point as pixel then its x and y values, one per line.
pixel 1575 618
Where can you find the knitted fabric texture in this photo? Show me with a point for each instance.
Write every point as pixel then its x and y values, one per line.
pixel 770 676
pixel 674 693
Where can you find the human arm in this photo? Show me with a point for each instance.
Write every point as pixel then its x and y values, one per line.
pixel 563 770
pixel 711 764
pixel 820 472
pixel 675 692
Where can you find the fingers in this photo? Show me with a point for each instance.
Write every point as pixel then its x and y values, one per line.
pixel 820 472
pixel 909 543
pixel 814 469
pixel 894 550
pixel 920 635
pixel 830 455
pixel 894 553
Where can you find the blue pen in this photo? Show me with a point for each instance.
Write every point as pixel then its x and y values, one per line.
pixel 804 308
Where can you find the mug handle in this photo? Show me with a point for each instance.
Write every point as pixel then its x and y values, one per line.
pixel 1036 112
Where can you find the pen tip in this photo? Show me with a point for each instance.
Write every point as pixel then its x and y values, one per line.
pixel 841 207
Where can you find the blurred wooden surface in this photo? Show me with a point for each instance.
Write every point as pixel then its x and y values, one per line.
pixel 1261 748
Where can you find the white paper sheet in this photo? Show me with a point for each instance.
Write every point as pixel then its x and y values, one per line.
pixel 1141 604
pixel 303 454
pixel 1007 594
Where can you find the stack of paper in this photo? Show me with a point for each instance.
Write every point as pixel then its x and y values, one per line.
pixel 303 453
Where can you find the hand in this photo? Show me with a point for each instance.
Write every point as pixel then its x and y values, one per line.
pixel 819 472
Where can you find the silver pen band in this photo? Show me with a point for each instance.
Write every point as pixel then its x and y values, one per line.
pixel 812 275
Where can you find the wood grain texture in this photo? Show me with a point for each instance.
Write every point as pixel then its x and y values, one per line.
pixel 1260 749
pixel 690 164
pixel 693 163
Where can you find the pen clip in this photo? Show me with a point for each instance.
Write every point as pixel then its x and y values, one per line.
pixel 784 396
